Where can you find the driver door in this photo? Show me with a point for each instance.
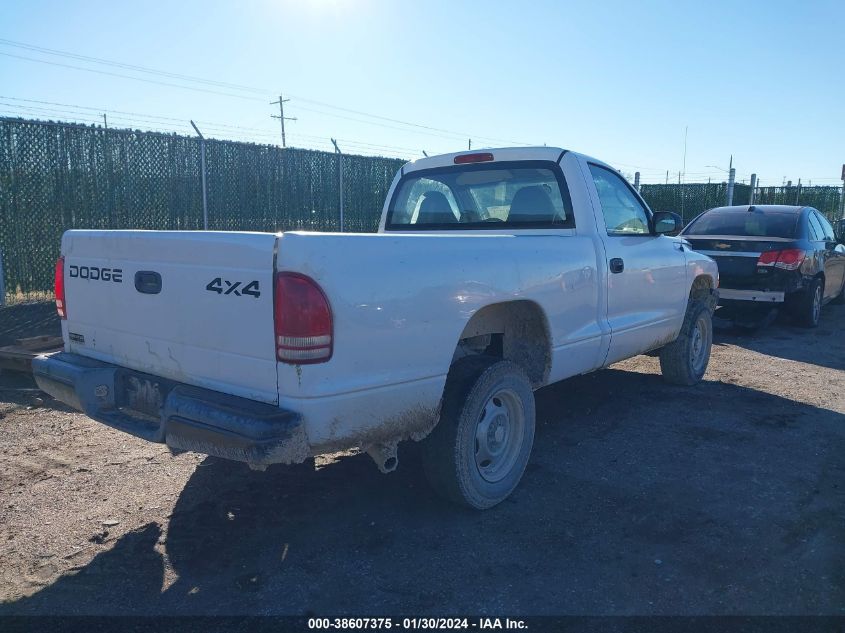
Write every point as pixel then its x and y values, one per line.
pixel 646 274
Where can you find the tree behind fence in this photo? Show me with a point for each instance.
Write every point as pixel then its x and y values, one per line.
pixel 57 176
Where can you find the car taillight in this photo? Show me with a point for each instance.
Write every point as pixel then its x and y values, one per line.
pixel 768 258
pixel 59 288
pixel 303 320
pixel 788 259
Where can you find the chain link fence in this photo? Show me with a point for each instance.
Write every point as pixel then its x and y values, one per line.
pixel 688 200
pixel 58 176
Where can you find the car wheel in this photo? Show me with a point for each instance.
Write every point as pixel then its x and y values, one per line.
pixel 809 306
pixel 684 361
pixel 478 451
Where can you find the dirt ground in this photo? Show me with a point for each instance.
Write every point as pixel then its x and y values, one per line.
pixel 640 498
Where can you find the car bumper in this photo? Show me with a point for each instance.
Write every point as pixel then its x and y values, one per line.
pixel 182 416
pixel 756 296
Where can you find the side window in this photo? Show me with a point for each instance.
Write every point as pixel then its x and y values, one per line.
pixel 623 213
pixel 816 232
pixel 827 229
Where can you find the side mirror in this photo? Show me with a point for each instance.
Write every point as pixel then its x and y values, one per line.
pixel 665 223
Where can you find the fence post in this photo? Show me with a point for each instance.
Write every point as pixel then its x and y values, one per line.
pixel 753 185
pixel 2 281
pixel 842 201
pixel 340 179
pixel 731 180
pixel 202 167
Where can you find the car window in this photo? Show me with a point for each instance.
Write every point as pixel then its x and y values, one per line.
pixel 434 199
pixel 499 195
pixel 744 223
pixel 816 231
pixel 623 213
pixel 827 228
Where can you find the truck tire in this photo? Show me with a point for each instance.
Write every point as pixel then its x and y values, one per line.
pixel 478 451
pixel 684 361
pixel 808 307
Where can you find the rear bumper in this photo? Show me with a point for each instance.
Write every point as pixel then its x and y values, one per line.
pixel 756 296
pixel 182 416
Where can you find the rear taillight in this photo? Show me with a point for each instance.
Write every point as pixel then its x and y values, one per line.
pixel 788 259
pixel 303 320
pixel 59 288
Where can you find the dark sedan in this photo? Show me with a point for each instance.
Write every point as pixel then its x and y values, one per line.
pixel 771 255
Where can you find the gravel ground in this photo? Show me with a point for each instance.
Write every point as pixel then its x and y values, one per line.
pixel 640 498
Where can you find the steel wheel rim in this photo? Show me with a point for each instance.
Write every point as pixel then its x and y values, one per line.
pixel 700 343
pixel 817 303
pixel 499 435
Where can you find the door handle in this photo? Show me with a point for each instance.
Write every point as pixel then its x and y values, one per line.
pixel 617 265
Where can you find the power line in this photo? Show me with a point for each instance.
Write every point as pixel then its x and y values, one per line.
pixel 259 136
pixel 215 83
pixel 155 118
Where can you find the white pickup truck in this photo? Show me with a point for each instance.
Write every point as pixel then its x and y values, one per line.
pixel 492 274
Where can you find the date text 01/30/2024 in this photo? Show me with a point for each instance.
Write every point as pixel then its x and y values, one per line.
pixel 416 623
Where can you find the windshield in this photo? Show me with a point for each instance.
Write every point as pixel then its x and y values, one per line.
pixel 744 223
pixel 491 196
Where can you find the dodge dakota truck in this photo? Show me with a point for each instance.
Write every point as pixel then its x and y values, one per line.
pixel 491 275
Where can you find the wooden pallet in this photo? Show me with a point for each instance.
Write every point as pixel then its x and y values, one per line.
pixel 18 357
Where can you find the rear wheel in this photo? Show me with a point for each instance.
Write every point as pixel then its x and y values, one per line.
pixel 479 449
pixel 809 305
pixel 684 361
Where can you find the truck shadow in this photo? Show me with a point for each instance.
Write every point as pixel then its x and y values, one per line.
pixel 640 498
pixel 823 346
pixel 19 388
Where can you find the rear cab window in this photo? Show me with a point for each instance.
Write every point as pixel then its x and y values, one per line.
pixel 745 224
pixel 521 194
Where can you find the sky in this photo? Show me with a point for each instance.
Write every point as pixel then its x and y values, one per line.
pixel 627 82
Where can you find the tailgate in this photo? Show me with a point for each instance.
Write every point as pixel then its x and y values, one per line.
pixel 192 306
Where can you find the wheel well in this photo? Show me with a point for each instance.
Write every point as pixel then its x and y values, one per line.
pixel 702 291
pixel 516 331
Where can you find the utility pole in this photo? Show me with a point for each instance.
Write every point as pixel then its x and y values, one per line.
pixel 105 121
pixel 340 179
pixel 469 145
pixel 753 185
pixel 637 181
pixel 797 192
pixel 202 167
pixel 731 181
pixel 281 116
pixel 667 176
